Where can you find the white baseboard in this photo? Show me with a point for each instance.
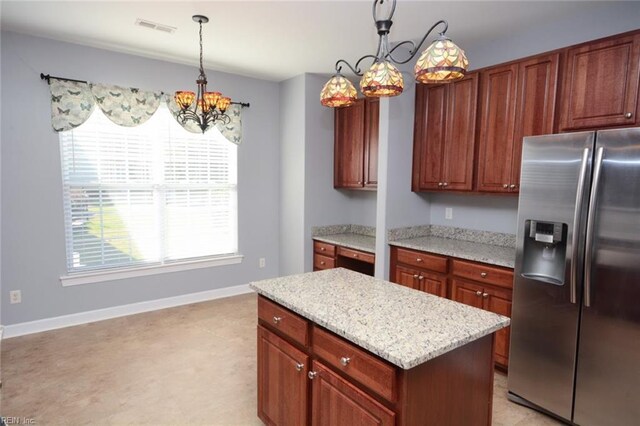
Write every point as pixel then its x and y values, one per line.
pixel 24 328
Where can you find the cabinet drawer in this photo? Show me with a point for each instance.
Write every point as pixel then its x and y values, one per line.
pixel 422 260
pixel 324 248
pixel 363 367
pixel 283 320
pixel 483 273
pixel 356 254
pixel 323 262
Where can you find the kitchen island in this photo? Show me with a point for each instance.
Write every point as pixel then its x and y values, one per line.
pixel 338 347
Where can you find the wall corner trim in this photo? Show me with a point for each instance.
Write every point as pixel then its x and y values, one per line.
pixel 37 326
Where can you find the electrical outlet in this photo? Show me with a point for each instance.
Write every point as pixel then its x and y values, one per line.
pixel 262 262
pixel 448 213
pixel 15 296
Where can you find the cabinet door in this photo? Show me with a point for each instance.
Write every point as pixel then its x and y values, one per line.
pixel 460 137
pixel 495 151
pixel 349 146
pixel 406 277
pixel 600 86
pixel 499 301
pixel 432 284
pixel 429 136
pixel 337 402
pixel 371 122
pixel 282 381
pixel 535 109
pixel 467 293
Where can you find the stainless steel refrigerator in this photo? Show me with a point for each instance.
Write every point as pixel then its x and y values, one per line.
pixel 575 331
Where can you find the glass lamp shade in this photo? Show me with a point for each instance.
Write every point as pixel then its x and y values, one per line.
pixel 211 98
pixel 223 103
pixel 338 92
pixel 382 80
pixel 441 62
pixel 184 99
pixel 203 106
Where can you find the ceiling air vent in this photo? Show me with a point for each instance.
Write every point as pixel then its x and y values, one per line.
pixel 155 26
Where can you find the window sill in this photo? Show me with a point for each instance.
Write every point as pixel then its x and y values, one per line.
pixel 119 274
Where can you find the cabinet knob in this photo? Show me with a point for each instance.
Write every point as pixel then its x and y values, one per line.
pixel 415 276
pixel 628 115
pixel 483 274
pixel 512 186
pixel 366 182
pixel 420 277
pixel 277 320
pixel 418 260
pixel 299 366
pixel 506 185
pixel 478 293
pixel 355 255
pixel 322 262
pixel 445 184
pixel 359 182
pixel 345 360
pixel 322 249
pixel 312 375
pixel 439 183
pixel 485 295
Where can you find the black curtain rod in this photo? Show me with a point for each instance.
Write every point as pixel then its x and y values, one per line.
pixel 49 77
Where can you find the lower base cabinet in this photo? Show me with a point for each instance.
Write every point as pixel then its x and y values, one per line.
pixel 310 376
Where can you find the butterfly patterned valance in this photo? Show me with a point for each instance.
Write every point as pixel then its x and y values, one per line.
pixel 73 102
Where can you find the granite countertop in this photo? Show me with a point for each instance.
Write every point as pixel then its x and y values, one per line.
pixel 479 252
pixel 404 326
pixel 350 240
pixel 495 248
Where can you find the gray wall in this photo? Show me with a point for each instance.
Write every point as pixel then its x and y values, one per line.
pixel 33 246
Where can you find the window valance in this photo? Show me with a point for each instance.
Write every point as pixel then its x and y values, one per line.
pixel 73 102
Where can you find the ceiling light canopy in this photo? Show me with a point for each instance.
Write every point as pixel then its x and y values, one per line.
pixel 204 108
pixel 441 62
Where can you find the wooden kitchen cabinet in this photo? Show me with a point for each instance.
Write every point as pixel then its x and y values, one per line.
pixel 516 100
pixel 356 145
pixel 282 381
pixel 600 85
pixel 338 402
pixel 444 135
pixel 476 284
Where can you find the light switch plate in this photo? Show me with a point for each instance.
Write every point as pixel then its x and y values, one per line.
pixel 448 213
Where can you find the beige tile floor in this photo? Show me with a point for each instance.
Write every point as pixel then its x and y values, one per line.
pixel 193 364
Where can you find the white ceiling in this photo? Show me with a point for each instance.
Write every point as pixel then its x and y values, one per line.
pixel 273 40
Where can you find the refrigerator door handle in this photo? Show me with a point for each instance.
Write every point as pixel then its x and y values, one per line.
pixel 577 214
pixel 591 221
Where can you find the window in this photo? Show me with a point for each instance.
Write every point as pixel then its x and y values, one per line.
pixel 146 195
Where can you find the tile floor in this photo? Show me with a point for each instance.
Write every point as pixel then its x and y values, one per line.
pixel 193 364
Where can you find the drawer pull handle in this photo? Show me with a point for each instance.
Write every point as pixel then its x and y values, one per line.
pixel 485 295
pixel 478 293
pixel 483 274
pixel 312 375
pixel 418 260
pixel 345 360
pixel 299 366
pixel 276 320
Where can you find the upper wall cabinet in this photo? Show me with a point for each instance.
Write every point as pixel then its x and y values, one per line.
pixel 444 135
pixel 356 145
pixel 600 86
pixel 516 100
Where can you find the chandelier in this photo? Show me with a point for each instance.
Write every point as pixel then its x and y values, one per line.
pixel 209 107
pixel 441 62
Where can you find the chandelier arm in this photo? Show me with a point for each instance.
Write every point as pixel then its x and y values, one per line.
pixel 412 53
pixel 413 48
pixel 356 71
pixel 375 5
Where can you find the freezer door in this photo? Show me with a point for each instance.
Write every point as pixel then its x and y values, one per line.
pixel 555 176
pixel 608 374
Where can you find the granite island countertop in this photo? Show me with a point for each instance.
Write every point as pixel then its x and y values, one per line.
pixel 493 248
pixel 403 326
pixel 350 240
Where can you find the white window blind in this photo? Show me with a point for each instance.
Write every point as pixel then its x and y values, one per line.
pixel 151 194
